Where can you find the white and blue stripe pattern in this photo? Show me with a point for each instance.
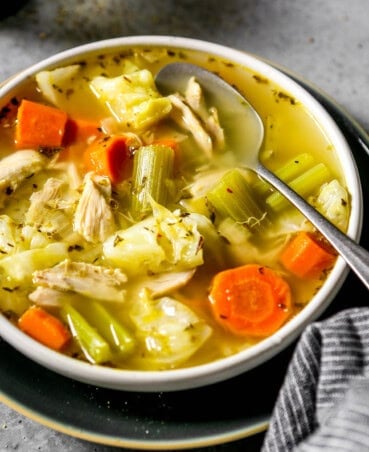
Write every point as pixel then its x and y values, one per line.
pixel 323 404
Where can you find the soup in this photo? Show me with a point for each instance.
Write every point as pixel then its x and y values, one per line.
pixel 130 234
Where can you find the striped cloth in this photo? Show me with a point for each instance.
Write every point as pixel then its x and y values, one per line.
pixel 323 404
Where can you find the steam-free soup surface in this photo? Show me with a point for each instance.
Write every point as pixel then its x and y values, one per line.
pixel 130 235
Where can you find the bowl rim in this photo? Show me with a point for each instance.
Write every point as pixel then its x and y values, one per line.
pixel 222 369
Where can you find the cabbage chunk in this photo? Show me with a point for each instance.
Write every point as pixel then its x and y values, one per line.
pixel 169 332
pixel 132 98
pixel 165 241
pixel 333 203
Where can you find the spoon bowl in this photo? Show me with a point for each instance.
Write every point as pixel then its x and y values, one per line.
pixel 240 116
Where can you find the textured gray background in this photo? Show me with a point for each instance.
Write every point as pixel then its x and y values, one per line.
pixel 324 41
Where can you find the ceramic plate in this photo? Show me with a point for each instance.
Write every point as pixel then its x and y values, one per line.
pixel 221 413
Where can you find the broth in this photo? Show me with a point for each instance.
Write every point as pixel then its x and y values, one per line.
pixel 290 131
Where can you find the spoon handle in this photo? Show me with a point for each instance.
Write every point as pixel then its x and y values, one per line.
pixel 355 255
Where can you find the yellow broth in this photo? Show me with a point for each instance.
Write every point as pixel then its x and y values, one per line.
pixel 289 130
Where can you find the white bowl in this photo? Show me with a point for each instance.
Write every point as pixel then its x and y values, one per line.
pixel 249 358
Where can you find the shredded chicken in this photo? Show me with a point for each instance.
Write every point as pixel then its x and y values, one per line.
pixel 162 283
pixel 186 118
pixel 17 167
pixel 94 218
pixel 45 210
pixel 195 99
pixel 44 296
pixel 93 281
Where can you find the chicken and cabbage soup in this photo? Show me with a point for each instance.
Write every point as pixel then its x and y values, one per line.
pixel 130 234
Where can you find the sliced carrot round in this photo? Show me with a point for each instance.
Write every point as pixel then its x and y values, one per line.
pixel 250 300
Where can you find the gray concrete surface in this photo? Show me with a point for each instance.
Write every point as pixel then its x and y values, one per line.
pixel 324 41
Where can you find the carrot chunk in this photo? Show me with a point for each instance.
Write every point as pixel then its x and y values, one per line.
pixel 81 131
pixel 251 300
pixel 109 156
pixel 306 256
pixel 39 125
pixel 44 327
pixel 79 134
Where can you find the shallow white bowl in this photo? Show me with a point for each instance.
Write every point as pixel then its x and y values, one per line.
pixel 245 360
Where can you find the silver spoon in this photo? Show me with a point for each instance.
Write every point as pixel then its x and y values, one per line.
pixel 240 116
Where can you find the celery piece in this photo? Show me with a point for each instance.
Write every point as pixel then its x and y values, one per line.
pixel 304 184
pixel 152 173
pixel 19 267
pixel 232 197
pixel 287 172
pixel 119 338
pixel 93 345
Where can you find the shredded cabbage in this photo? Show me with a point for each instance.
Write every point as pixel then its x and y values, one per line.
pixel 168 331
pixel 165 241
pixel 333 203
pixel 132 98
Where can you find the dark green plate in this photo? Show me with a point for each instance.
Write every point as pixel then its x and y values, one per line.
pixel 221 413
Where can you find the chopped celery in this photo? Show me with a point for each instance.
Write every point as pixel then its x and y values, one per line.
pixel 232 197
pixel 109 327
pixel 93 345
pixel 152 174
pixel 304 184
pixel 20 266
pixel 287 172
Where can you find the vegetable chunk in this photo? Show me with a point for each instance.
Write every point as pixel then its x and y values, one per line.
pixel 39 125
pixel 168 330
pixel 44 327
pixel 306 256
pixel 132 98
pixel 250 300
pixel 109 156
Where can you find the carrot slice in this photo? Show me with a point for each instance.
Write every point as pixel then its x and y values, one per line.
pixel 109 156
pixel 251 300
pixel 44 327
pixel 307 256
pixel 39 125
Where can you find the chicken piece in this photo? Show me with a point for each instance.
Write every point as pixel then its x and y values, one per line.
pixel 195 99
pixel 17 167
pixel 45 211
pixel 44 296
pixel 94 218
pixel 93 281
pixel 186 118
pixel 162 283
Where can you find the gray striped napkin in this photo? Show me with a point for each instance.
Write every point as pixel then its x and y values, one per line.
pixel 323 404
